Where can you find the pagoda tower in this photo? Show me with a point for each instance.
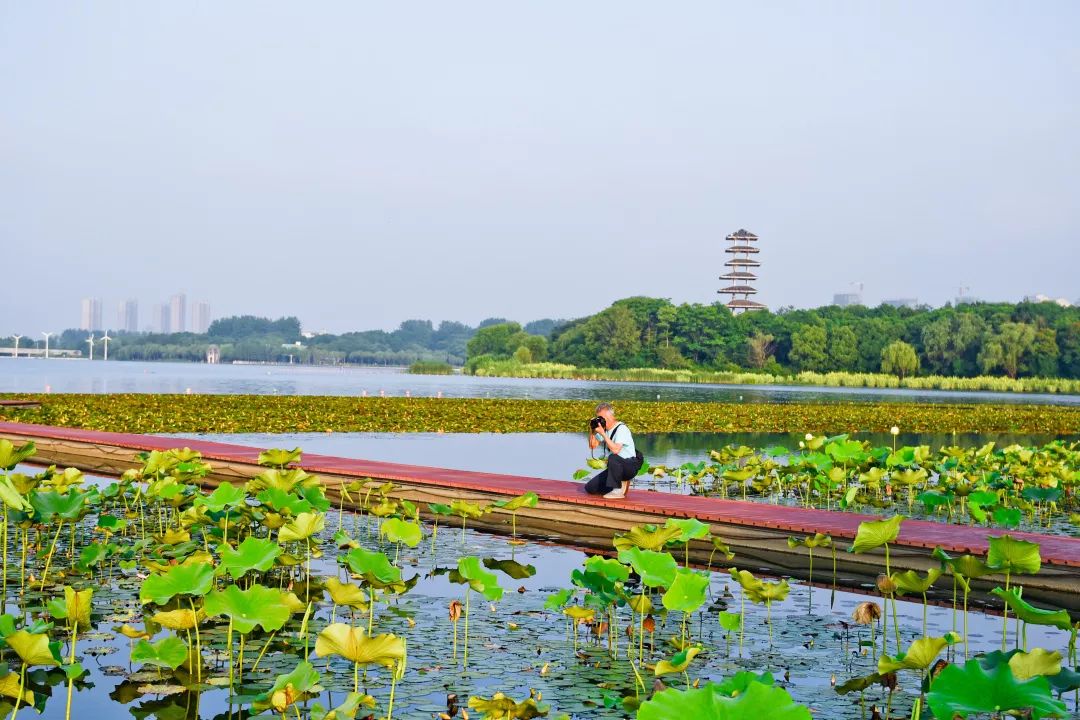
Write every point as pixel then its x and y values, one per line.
pixel 741 272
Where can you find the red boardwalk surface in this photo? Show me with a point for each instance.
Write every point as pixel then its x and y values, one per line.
pixel 1056 550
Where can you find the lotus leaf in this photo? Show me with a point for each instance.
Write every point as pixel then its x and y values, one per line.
pixel 9 687
pixel 480 579
pixel 279 458
pixel 967 566
pixel 687 591
pixel 511 568
pixel 353 644
pixel 678 663
pixel 645 538
pixel 252 554
pixel 759 701
pixel 468 510
pixel 579 614
pixel 689 528
pixel 768 592
pixel 195 579
pixel 374 567
pixel 34 648
pixel 397 530
pixel 346 710
pixel 440 509
pixel 1031 614
pixel 558 599
pixel 283 502
pixel 501 707
pixel 608 568
pixel 225 496
pixel 10 455
pixel 911 582
pixel 302 527
pixel 741 681
pixel 529 500
pixel 290 688
pixel 970 690
pixel 257 605
pixel 875 533
pixel 1007 554
pixel 170 652
pixel 730 621
pixel 11 497
pixel 746 579
pixel 179 619
pixel 346 594
pixel 74 608
pixel 1026 665
pixel 919 656
pixel 656 569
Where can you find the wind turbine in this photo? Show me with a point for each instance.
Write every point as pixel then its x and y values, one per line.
pixel 90 340
pixel 17 338
pixel 105 339
pixel 46 334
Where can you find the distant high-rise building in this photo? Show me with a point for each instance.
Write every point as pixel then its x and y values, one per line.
pixel 161 318
pixel 741 273
pixel 847 299
pixel 902 302
pixel 91 314
pixel 178 313
pixel 200 318
pixel 128 316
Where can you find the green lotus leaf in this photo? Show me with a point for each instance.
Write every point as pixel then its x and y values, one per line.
pixel 346 594
pixel 529 500
pixel 34 648
pixel 225 495
pixel 194 579
pixel 1026 665
pixel 353 644
pixel 1007 517
pixel 10 455
pixel 919 656
pixel 746 579
pixel 678 663
pixel 846 451
pixel 646 539
pixel 687 591
pixel 510 568
pixel 730 621
pixel 689 528
pixel 257 605
pixel 767 592
pixel 286 480
pixel 741 681
pixel 579 614
pixel 346 710
pixel 374 567
pixel 302 527
pixel 10 688
pixel 283 502
pixel 74 608
pixel 1042 494
pixel 501 707
pixel 968 566
pixel 1007 554
pixel 959 692
pixel 315 497
pixel 911 582
pixel 279 458
pixel 467 510
pixel 596 463
pixel 440 509
pixel 1065 681
pixel 932 499
pixel 402 531
pixel 1031 614
pixel 579 474
pixel 656 569
pixel 111 523
pixel 875 533
pixel 608 568
pixel 641 604
pixel 11 497
pixel 48 504
pixel 558 599
pixel 480 579
pixel 858 684
pixel 290 688
pixel 252 554
pixel 707 702
pixel 170 652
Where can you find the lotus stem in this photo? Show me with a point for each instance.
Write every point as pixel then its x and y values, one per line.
pixel 1005 616
pixel 393 686
pixel 304 630
pixel 48 559
pixel 810 584
pixel 22 687
pixel 198 642
pixel 263 651
pixel 356 677
pixel 71 680
pixel 4 585
pixel 228 643
pixel 465 657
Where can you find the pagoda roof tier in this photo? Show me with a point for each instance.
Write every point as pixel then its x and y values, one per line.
pixel 737 290
pixel 744 262
pixel 742 249
pixel 741 304
pixel 743 235
pixel 738 276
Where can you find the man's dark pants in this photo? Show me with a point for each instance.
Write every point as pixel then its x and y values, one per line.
pixel 619 469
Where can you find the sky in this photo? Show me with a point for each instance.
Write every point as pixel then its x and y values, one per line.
pixel 357 164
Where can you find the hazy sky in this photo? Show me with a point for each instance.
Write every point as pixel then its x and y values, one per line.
pixel 358 164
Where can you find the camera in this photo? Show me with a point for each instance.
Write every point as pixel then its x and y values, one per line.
pixel 597 422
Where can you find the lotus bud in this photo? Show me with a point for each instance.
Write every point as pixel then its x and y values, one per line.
pixel 894 430
pixel 802 444
pixel 885 584
pixel 809 437
pixel 866 613
pixel 455 611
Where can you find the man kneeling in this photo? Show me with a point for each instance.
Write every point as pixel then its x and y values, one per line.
pixel 623 461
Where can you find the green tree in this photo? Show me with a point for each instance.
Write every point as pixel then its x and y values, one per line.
pixel 522 355
pixel 808 349
pixel 898 358
pixel 492 340
pixel 665 319
pixel 843 348
pixel 951 343
pixel 1041 357
pixel 1004 349
pixel 537 346
pixel 1069 356
pixel 759 349
pixel 616 337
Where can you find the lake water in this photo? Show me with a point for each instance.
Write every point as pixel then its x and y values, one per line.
pixel 35 375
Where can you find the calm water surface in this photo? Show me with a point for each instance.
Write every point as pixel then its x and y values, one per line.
pixel 82 376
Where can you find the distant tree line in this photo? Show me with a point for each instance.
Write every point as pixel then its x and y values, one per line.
pixel 1014 340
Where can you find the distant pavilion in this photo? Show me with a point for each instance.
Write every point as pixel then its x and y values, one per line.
pixel 741 274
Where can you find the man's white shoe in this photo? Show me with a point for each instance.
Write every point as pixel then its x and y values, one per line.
pixel 616 494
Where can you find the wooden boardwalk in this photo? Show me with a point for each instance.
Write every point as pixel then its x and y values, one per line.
pixel 757 532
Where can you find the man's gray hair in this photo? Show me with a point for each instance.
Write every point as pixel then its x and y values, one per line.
pixel 605 406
